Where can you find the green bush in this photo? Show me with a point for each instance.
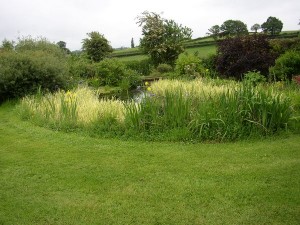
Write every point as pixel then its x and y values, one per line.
pixel 23 73
pixel 237 56
pixel 81 67
pixel 286 66
pixel 253 78
pixel 209 64
pixel 142 67
pixel 112 72
pixel 280 46
pixel 29 44
pixel 164 68
pixel 189 65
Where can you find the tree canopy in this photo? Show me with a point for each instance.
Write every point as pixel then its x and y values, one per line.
pixel 96 46
pixel 162 39
pixel 214 31
pixel 63 46
pixel 272 26
pixel 255 27
pixel 234 28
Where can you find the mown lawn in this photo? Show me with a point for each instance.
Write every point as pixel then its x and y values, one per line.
pixel 50 177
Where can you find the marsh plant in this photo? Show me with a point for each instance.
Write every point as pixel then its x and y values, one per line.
pixel 203 111
pixel 170 110
pixel 72 109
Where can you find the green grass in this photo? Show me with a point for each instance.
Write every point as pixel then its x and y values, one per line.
pixel 50 177
pixel 133 58
pixel 203 51
pixel 126 50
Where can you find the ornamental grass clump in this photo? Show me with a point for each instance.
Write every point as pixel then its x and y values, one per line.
pixel 71 109
pixel 199 110
pixel 169 110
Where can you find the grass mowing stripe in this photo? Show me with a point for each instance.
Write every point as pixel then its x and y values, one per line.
pixel 50 177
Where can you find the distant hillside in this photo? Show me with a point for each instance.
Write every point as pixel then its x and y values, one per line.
pixel 207 42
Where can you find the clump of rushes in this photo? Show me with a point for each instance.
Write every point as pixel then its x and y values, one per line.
pixel 170 110
pixel 71 109
pixel 204 110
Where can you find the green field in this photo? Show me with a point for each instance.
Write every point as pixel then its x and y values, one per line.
pixel 133 58
pixel 204 46
pixel 51 177
pixel 202 51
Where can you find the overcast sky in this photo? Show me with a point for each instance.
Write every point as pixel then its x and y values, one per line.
pixel 70 20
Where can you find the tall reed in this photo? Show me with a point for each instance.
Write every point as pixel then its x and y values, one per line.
pixel 172 110
pixel 71 109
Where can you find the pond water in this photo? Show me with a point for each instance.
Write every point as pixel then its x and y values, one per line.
pixel 137 95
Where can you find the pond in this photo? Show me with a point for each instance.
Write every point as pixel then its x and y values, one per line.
pixel 136 94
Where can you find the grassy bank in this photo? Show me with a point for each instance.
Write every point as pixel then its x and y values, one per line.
pixel 50 177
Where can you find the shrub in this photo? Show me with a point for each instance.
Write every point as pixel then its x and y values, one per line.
pixel 253 78
pixel 23 73
pixel 81 67
pixel 286 66
pixel 209 64
pixel 164 68
pixel 237 56
pixel 142 67
pixel 189 65
pixel 112 72
pixel 29 44
pixel 280 46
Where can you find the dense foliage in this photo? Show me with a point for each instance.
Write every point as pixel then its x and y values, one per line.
pixel 255 27
pixel 238 55
pixel 112 72
pixel 162 38
pixel 233 28
pixel 142 67
pixel 214 31
pixel 286 66
pixel 280 46
pixel 189 66
pixel 96 46
pixel 33 64
pixel 272 26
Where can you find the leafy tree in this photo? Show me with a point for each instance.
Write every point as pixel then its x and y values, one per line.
pixel 63 46
pixel 162 38
pixel 255 27
pixel 236 56
pixel 132 43
pixel 34 63
pixel 214 31
pixel 234 28
pixel 7 45
pixel 272 26
pixel 96 46
pixel 27 44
